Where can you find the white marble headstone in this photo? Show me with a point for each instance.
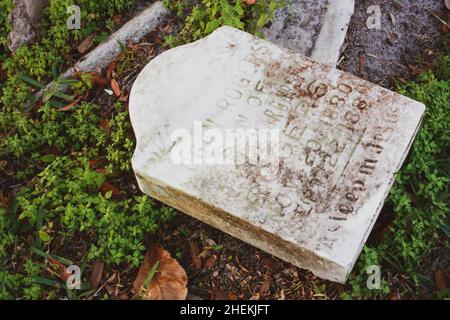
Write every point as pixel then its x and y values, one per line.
pixel 312 193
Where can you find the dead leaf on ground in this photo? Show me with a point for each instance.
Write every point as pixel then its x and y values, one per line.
pixel 86 44
pixel 96 275
pixel 194 255
pixel 70 105
pixel 104 124
pixel 94 163
pixel 282 295
pixel 101 171
pixel 98 79
pixel 60 269
pixel 232 296
pixel 106 187
pixel 110 69
pixel 4 201
pixel 255 297
pixel 168 282
pixel 211 261
pixel 394 296
pixel 115 87
pixel 270 263
pixel 440 279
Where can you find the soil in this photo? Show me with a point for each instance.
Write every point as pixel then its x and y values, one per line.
pixel 406 44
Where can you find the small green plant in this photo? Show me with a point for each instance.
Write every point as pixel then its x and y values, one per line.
pixel 202 18
pixel 121 142
pixel 5 8
pixel 58 207
pixel 419 198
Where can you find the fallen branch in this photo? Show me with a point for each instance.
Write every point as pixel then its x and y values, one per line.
pixel 135 29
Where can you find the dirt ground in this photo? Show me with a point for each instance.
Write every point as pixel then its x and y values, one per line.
pixel 405 45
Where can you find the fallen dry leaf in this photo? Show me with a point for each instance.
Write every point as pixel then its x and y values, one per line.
pixel 282 295
pixel 94 163
pixel 115 87
pixel 110 69
pixel 60 269
pixel 415 70
pixel 96 275
pixel 255 297
pixel 70 105
pixel 109 187
pixel 211 261
pixel 168 282
pixel 270 263
pixel 194 255
pixel 394 296
pixel 440 279
pixel 232 296
pixel 98 79
pixel 101 171
pixel 104 124
pixel 250 1
pixel 86 44
pixel 4 201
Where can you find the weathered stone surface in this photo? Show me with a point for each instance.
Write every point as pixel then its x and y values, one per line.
pixel 316 28
pixel 341 141
pixel 24 19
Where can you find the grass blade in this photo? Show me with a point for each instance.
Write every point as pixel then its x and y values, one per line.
pixel 62 96
pixel 48 255
pixel 45 281
pixel 32 82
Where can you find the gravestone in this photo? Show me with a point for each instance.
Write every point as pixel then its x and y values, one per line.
pixel 290 155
